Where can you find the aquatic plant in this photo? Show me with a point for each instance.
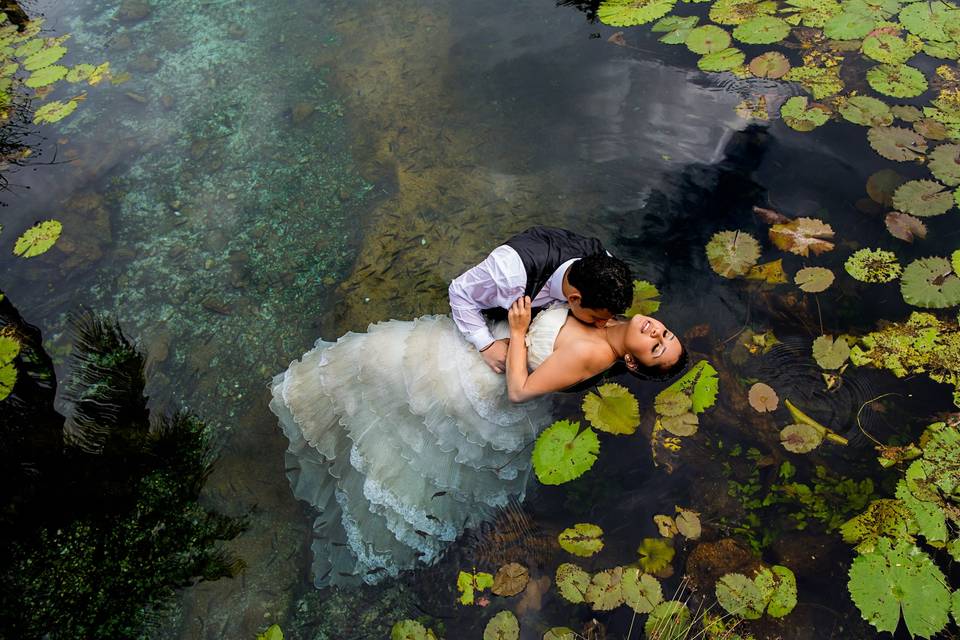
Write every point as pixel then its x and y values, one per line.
pixel 655 554
pixel 873 265
pixel 510 579
pixel 468 584
pixel 582 539
pixel 612 409
pixel 813 279
pixel 503 626
pixel 732 253
pixel 644 302
pixel 772 590
pixel 563 452
pixel 274 632
pixel 679 404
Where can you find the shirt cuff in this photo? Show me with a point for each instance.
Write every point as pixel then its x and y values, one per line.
pixel 480 338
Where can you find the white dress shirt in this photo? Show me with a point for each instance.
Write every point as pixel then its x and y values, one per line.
pixel 496 282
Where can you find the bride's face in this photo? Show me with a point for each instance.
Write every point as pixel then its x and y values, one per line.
pixel 650 344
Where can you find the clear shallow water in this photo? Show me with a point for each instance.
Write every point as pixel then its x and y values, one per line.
pixel 271 174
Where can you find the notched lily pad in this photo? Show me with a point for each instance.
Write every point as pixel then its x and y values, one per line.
pixel 641 591
pixel 563 452
pixel 582 539
pixel 655 554
pixel 626 13
pixel 682 425
pixel 772 64
pixel 669 620
pixel 800 438
pixel 38 239
pixel 510 579
pixel 644 299
pixel 813 279
pixel 605 592
pixel 503 626
pixel 830 353
pixel 930 283
pixel 866 111
pixel 762 30
pixel 923 198
pixel 882 185
pixel 614 410
pixel 873 265
pixel 904 226
pixel 803 235
pixel 708 39
pixel 723 60
pixel 763 398
pixel 897 80
pixel 897 143
pixel 572 582
pixel 944 163
pixel 732 253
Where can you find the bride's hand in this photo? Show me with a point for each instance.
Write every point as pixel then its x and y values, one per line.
pixel 519 315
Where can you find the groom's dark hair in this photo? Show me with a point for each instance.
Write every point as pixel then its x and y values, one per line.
pixel 604 282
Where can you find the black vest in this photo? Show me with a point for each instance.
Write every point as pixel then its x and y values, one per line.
pixel 544 249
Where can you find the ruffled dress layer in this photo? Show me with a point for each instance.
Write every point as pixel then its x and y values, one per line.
pixel 400 438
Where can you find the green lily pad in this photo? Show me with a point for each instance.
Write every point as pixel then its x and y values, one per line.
pixel 954 262
pixel 882 518
pixel 669 620
pixel 560 633
pixel 724 60
pixel 740 596
pixel 897 143
pixel 563 452
pixel 9 348
pixel 943 50
pixel 503 626
pixel 572 582
pixel 879 9
pixel 800 438
pixel 8 379
pixel 641 591
pixel 44 58
pixel 654 554
pixel 906 112
pixel 582 539
pixel 873 265
pixel 887 48
pixel 626 13
pixel 403 630
pixel 762 30
pixel 734 12
pixel 849 25
pixel 830 353
pixel 677 28
pixel 813 279
pixel 683 425
pixel 897 80
pixel 898 576
pixel 923 198
pixel 46 76
pixel 810 13
pixel 54 111
pixel 701 383
pixel 80 73
pixel 732 253
pixel 708 39
pixel 928 516
pixel 29 48
pixel 604 592
pixel 821 82
pixel 469 583
pixel 798 116
pixel 614 410
pixel 672 403
pixel 930 20
pixel 643 299
pixel 783 598
pixel 930 283
pixel 771 64
pixel 37 239
pixel 688 523
pixel 944 163
pixel 866 111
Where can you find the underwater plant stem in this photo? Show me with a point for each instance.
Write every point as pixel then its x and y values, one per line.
pixel 746 322
pixel 863 406
pixel 816 299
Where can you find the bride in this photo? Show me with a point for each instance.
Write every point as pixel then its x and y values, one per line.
pixel 402 437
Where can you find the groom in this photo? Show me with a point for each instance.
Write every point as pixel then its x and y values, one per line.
pixel 549 265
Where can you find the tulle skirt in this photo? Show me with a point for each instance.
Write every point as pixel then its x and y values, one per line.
pixel 400 438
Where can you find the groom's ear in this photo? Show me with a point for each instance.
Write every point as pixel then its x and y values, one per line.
pixel 574 298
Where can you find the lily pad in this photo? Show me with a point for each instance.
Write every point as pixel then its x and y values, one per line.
pixel 46 76
pixel 897 80
pixel 763 398
pixel 688 523
pixel 665 525
pixel 669 620
pixel 80 73
pixel 734 12
pixel 898 576
pixel 888 48
pixel 54 111
pixel 614 410
pixel 770 272
pixel 762 30
pixel 503 626
pixel 572 582
pixel 604 592
pixel 655 554
pixel 772 64
pixel 904 226
pixel 830 353
pixel 931 129
pixel 906 112
pixel 563 452
pixel 928 516
pixel 708 39
pixel 683 425
pixel 798 115
pixel 8 379
pixel 700 382
pixel 469 583
pixel 879 9
pixel 945 163
pixel 882 518
pixel 897 143
pixel 873 265
pixel 930 20
pixel 821 82
pixel 44 58
pixel 38 239
pixel 732 253
pixel 923 198
pixel 724 60
pixel 510 579
pixel 810 13
pixel 403 630
pixel 802 235
pixel 800 438
pixel 626 13
pixel 560 633
pixel 954 262
pixel 866 111
pixel 783 595
pixel 643 299
pixel 882 185
pixel 813 279
pixel 930 283
pixel 849 25
pixel 582 539
pixel 672 403
pixel 641 591
pixel 740 596
pixel 676 28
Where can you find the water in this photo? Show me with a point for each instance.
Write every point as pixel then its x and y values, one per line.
pixel 271 174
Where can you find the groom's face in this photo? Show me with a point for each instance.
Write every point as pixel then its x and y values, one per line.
pixel 595 317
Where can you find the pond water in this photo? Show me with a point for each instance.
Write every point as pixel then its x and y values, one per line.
pixel 275 172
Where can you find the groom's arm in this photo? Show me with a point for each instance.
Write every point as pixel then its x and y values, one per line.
pixel 495 282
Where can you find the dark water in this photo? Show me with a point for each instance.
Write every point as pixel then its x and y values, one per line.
pixel 278 171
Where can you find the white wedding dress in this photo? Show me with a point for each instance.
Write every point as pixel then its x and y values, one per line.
pixel 400 438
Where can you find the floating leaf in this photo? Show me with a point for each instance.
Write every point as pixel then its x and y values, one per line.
pixel 882 518
pixel 882 185
pixel 672 403
pixel 923 198
pixel 904 226
pixel 708 39
pixel 46 76
pixel 740 596
pixel 897 143
pixel 888 48
pixel 732 253
pixel 898 576
pixel 879 9
pixel 29 48
pixel 80 73
pixel 655 554
pixel 688 523
pixel 802 235
pixel 930 283
pixel 583 539
pixel 44 58
pixel 798 116
pixel 733 12
pixel 682 425
pixel 614 410
pixel 763 398
pixel 907 113
pixel 560 633
pixel 772 64
pixel 469 583
pixel 626 13
pixel 665 525
pixel 403 630
pixel 98 74
pixel 677 28
pixel 931 129
pixel 821 82
pixel 873 265
pixel 770 272
pixel 37 239
pixel 813 279
pixel 643 299
pixel 830 354
pixel 503 626
pixel 511 579
pixel 928 516
pixel 572 582
pixel 930 20
pixel 9 348
pixel 954 261
pixel 701 382
pixel 54 111
pixel 562 454
pixel 897 80
pixel 604 592
pixel 724 60
pixel 800 438
pixel 849 25
pixel 762 30
pixel 866 111
pixel 641 591
pixel 8 379
pixel 945 163
pixel 669 620
pixel 783 595
pixel 945 50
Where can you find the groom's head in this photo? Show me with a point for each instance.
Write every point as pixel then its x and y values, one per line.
pixel 600 287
